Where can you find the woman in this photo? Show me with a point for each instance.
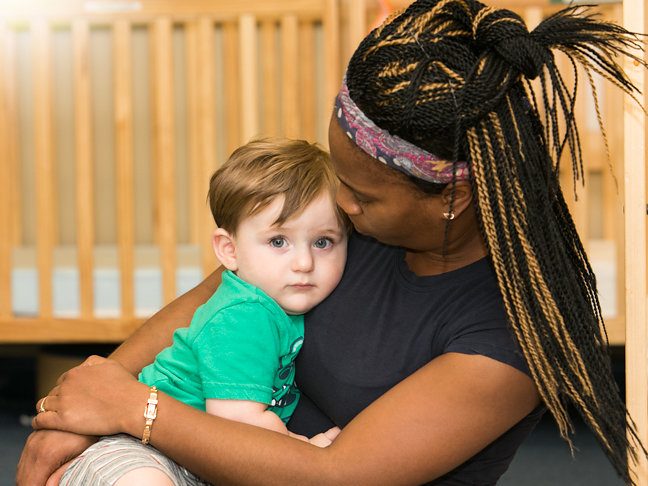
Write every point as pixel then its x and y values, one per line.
pixel 467 300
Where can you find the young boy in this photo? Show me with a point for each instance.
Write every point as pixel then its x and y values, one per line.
pixel 283 241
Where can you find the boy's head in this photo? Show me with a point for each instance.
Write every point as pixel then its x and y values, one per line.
pixel 279 227
pixel 263 169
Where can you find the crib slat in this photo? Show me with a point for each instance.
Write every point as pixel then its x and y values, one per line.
pixel 357 15
pixel 5 184
pixel 45 174
pixel 84 165
pixel 290 81
pixel 196 189
pixel 207 131
pixel 165 154
pixel 269 67
pixel 532 16
pixel 331 53
pixel 613 219
pixel 307 83
pixel 11 140
pixel 231 86
pixel 123 97
pixel 634 19
pixel 249 77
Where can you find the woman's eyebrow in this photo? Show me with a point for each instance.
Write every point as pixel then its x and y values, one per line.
pixel 354 190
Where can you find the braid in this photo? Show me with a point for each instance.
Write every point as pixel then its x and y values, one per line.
pixel 452 76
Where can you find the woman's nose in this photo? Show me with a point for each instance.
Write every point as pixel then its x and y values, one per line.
pixel 347 202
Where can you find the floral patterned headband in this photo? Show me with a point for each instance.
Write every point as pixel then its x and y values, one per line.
pixel 392 150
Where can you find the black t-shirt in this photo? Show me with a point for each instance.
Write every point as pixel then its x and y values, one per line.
pixel 382 323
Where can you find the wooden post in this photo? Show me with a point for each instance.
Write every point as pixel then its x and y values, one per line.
pixel 84 165
pixel 124 164
pixel 207 129
pixel 12 150
pixel 270 82
pixel 249 89
pixel 332 78
pixel 357 18
pixel 5 193
pixel 307 81
pixel 231 86
pixel 290 76
pixel 165 155
pixel 196 187
pixel 635 244
pixel 45 172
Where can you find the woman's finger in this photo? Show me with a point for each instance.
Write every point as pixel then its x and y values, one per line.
pixel 40 404
pixel 89 361
pixel 46 420
pixel 93 360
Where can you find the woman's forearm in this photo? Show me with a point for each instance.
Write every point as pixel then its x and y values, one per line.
pixel 220 450
pixel 156 333
pixel 425 426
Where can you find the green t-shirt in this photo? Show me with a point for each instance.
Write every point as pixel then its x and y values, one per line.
pixel 240 346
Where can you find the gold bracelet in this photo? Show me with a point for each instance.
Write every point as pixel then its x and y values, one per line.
pixel 150 412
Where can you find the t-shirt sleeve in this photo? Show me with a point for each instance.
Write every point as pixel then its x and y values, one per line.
pixel 486 334
pixel 237 353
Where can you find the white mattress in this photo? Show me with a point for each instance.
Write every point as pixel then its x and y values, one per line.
pixel 148 279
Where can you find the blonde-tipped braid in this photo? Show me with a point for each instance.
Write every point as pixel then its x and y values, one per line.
pixel 453 77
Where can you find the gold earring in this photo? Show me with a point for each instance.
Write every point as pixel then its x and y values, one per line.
pixel 449 216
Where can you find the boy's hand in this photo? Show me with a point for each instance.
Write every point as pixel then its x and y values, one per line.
pixel 325 439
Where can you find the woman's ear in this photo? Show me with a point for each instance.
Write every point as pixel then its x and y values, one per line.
pixel 460 201
pixel 225 249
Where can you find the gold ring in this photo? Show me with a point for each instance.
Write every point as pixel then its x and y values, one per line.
pixel 42 406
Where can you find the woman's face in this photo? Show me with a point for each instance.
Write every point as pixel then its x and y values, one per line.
pixel 380 204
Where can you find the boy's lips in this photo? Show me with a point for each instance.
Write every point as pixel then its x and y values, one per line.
pixel 302 286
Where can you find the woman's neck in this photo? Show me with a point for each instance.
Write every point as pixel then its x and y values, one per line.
pixel 464 246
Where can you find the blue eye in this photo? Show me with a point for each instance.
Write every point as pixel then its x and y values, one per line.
pixel 323 243
pixel 277 242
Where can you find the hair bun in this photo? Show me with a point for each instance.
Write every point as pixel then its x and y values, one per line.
pixel 506 33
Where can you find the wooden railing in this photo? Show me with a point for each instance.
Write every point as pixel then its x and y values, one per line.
pixel 113 114
pixel 218 74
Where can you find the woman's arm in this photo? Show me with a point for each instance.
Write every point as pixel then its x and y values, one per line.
pixel 46 451
pixel 156 333
pixel 424 427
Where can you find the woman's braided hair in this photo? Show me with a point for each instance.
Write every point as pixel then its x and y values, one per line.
pixel 452 76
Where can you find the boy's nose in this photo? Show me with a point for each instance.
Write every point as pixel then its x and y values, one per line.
pixel 303 261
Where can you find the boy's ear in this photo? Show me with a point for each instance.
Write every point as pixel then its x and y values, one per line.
pixel 225 249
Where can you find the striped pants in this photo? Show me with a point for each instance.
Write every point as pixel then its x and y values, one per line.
pixel 105 462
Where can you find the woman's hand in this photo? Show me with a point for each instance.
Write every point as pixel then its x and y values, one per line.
pixel 46 455
pixel 98 397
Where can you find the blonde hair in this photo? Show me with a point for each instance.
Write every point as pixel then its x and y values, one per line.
pixel 265 168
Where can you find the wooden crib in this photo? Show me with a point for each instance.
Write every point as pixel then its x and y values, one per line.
pixel 113 114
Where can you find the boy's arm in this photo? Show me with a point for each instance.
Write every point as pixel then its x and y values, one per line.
pixel 247 412
pixel 255 413
pixel 156 333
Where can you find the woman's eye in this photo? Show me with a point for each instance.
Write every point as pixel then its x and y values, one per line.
pixel 322 243
pixel 277 242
